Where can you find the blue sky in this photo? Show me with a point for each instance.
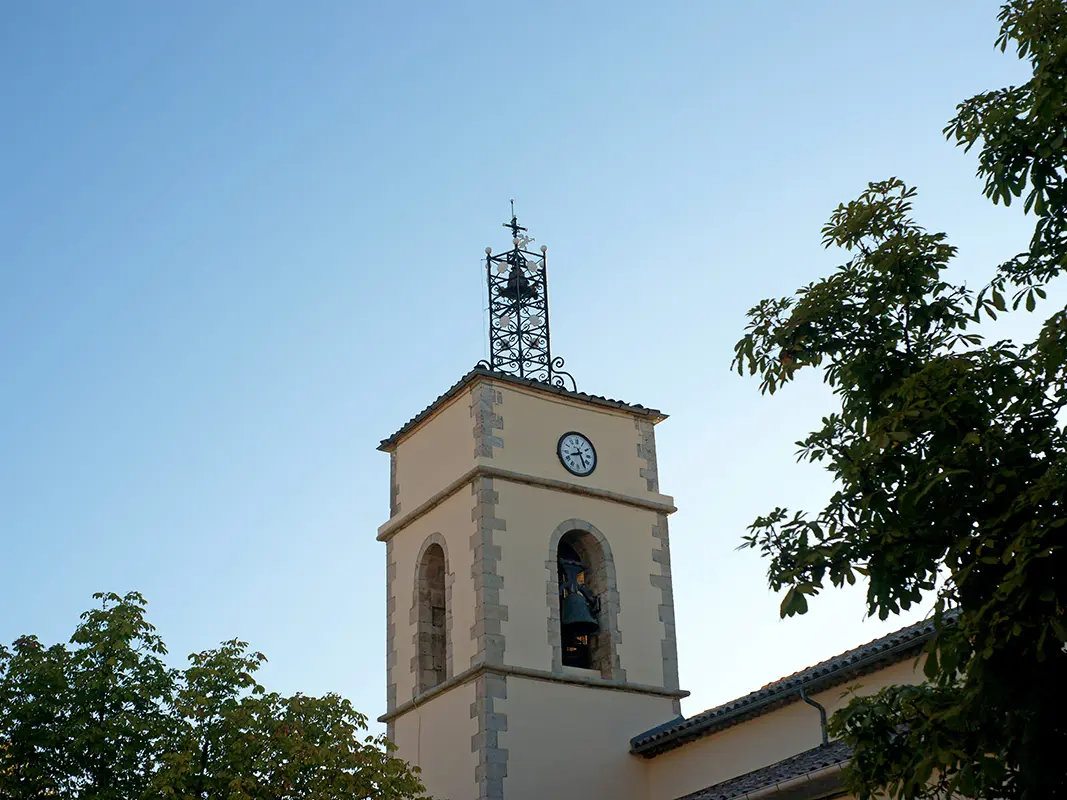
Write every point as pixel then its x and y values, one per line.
pixel 240 243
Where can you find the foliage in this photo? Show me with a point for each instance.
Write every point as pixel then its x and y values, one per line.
pixel 34 744
pixel 106 719
pixel 948 453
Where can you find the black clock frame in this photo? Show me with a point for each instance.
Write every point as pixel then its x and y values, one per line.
pixel 559 454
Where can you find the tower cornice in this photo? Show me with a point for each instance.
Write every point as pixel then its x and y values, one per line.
pixel 533 674
pixel 659 503
pixel 481 373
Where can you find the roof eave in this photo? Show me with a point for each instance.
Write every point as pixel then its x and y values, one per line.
pixel 390 443
pixel 810 774
pixel 789 690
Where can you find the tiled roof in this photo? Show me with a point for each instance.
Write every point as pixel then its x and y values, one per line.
pixel 825 755
pixel 633 408
pixel 839 669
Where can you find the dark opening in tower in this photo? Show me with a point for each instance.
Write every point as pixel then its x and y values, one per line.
pixel 582 585
pixel 432 641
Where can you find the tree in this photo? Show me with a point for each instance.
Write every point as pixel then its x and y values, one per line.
pixel 33 690
pixel 948 453
pixel 107 719
pixel 116 718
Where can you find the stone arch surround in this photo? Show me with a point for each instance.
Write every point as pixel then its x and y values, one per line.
pixel 419 684
pixel 609 600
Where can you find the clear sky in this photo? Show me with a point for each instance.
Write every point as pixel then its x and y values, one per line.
pixel 240 243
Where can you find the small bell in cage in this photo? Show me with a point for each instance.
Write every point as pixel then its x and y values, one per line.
pixel 518 287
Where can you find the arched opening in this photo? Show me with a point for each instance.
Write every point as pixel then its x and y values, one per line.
pixel 585 630
pixel 432 634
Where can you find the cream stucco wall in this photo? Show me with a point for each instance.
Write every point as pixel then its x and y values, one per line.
pixel 533 423
pixel 553 739
pixel 438 452
pixel 532 514
pixel 762 741
pixel 436 737
pixel 571 743
pixel 452 520
pixel 497 533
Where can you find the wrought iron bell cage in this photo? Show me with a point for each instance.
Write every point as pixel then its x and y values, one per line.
pixel 519 336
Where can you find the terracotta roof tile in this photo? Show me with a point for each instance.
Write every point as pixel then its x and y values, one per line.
pixel 452 391
pixel 844 667
pixel 809 761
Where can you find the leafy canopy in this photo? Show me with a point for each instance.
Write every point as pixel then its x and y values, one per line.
pixel 948 453
pixel 106 719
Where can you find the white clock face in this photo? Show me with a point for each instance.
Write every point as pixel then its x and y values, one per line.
pixel 576 453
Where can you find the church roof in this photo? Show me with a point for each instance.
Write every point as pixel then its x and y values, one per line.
pixel 834 671
pixel 825 755
pixel 502 377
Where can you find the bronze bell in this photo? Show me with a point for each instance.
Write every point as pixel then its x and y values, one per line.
pixel 518 287
pixel 578 612
pixel 576 617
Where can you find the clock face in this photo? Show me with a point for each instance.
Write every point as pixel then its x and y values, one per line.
pixel 576 453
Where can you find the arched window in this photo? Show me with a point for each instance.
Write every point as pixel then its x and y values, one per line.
pixel 432 636
pixel 586 621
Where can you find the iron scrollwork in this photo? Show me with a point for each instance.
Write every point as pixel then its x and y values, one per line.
pixel 519 337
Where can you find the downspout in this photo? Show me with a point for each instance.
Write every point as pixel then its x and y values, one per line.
pixel 819 776
pixel 822 714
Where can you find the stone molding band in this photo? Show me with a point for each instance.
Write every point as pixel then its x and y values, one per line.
pixel 469 675
pixel 386 531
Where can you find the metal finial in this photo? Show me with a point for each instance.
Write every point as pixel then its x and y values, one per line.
pixel 514 224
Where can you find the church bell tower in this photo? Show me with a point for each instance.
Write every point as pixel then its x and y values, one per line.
pixel 530 609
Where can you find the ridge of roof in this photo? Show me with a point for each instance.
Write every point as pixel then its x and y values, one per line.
pixel 825 755
pixel 481 372
pixel 886 650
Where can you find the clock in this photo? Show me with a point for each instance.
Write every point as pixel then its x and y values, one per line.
pixel 576 453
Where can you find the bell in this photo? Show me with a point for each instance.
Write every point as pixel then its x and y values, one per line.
pixel 576 617
pixel 578 614
pixel 518 287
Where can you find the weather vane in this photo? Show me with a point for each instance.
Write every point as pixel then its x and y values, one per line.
pixel 519 339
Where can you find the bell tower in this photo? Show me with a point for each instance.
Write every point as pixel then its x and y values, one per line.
pixel 530 608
